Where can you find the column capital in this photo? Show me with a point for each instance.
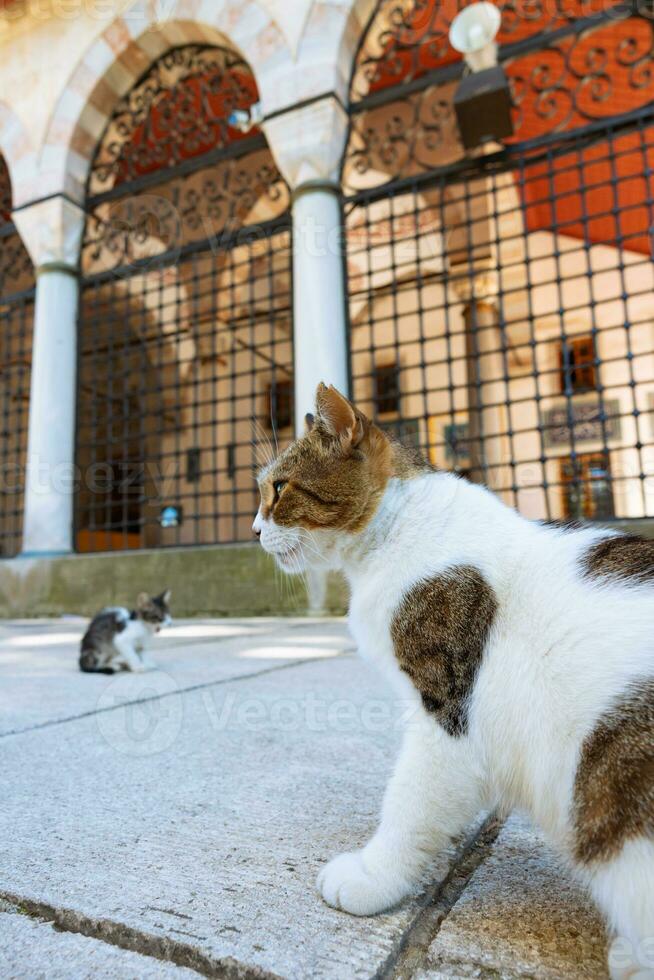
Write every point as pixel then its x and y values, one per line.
pixel 476 285
pixel 308 140
pixel 51 230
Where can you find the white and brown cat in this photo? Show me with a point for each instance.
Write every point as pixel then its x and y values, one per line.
pixel 528 648
pixel 117 638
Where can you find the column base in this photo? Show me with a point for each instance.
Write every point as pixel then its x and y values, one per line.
pixel 44 554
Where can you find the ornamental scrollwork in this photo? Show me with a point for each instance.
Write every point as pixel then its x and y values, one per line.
pixel 399 45
pixel 5 194
pixel 559 84
pixel 408 38
pixel 211 204
pixel 583 78
pixel 413 134
pixel 16 270
pixel 179 110
pixel 160 182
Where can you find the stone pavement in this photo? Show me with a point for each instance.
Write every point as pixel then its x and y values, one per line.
pixel 173 823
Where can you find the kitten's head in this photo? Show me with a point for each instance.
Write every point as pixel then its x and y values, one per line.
pixel 326 486
pixel 154 610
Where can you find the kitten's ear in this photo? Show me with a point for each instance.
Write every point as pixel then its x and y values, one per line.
pixel 142 600
pixel 308 422
pixel 338 417
pixel 165 595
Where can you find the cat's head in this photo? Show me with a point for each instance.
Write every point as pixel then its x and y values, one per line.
pixel 326 486
pixel 154 610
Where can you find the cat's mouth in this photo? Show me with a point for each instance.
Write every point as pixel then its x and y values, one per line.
pixel 289 559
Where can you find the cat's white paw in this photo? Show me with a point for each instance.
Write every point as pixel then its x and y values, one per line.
pixel 346 884
pixel 133 666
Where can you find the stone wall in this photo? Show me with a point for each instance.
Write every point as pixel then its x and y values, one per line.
pixel 238 580
pixel 225 580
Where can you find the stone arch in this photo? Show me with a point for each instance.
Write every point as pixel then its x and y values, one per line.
pixel 19 154
pixel 359 19
pixel 122 53
pixel 172 369
pixel 331 38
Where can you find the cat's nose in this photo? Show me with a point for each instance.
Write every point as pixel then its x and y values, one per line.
pixel 256 527
pixel 257 531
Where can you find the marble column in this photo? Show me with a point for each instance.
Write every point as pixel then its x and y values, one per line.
pixel 308 143
pixel 488 442
pixel 52 230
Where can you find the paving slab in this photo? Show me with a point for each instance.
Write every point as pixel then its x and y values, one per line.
pixel 35 950
pixel 212 836
pixel 184 814
pixel 40 682
pixel 521 915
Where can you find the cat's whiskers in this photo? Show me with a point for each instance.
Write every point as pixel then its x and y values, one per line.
pixel 262 455
pixel 294 583
pixel 313 549
pixel 274 432
pixel 300 574
pixel 261 443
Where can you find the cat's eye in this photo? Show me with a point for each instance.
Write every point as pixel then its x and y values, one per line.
pixel 278 486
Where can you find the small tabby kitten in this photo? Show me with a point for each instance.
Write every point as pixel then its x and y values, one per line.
pixel 116 638
pixel 527 651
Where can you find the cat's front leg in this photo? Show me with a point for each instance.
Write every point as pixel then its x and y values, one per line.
pixel 127 658
pixel 146 661
pixel 434 793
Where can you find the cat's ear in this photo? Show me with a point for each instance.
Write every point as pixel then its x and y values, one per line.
pixel 308 422
pixel 338 417
pixel 165 596
pixel 142 600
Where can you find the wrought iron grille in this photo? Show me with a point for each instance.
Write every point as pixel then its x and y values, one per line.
pixel 509 296
pixel 186 346
pixel 16 320
pixel 567 65
pixel 408 41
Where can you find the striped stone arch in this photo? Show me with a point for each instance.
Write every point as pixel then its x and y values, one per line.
pixel 121 54
pixel 355 25
pixel 18 151
pixel 329 43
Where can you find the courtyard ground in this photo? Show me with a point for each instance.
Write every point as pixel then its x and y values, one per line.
pixel 172 824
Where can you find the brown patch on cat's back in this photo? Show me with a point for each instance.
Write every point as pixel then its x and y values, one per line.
pixel 614 785
pixel 439 633
pixel 622 556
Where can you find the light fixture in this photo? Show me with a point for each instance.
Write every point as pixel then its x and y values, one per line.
pixel 246 119
pixel 473 32
pixel 482 101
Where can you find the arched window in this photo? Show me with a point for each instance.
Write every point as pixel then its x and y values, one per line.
pixel 501 301
pixel 16 321
pixel 186 324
